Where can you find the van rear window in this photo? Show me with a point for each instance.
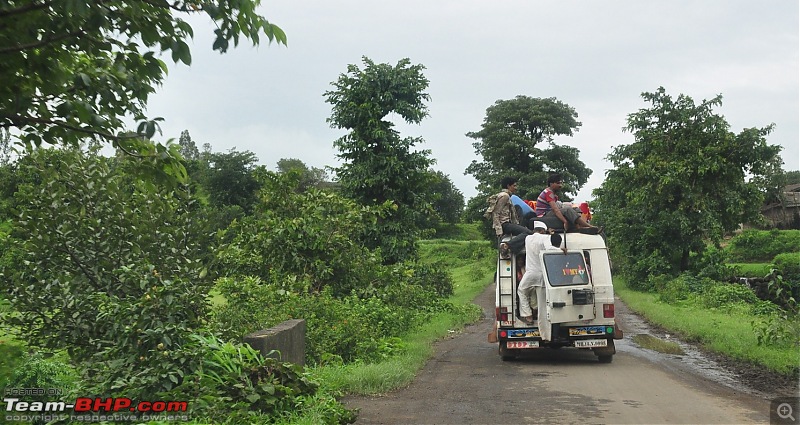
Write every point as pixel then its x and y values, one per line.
pixel 564 270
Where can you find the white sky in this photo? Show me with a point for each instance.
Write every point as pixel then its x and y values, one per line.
pixel 598 56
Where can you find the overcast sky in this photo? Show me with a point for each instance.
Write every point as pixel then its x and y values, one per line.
pixel 597 56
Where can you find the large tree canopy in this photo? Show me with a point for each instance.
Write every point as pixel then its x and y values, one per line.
pixel 78 69
pixel 687 179
pixel 516 138
pixel 379 166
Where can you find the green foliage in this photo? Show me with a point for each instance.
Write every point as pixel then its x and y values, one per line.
pixel 303 241
pixel 510 143
pixel 762 245
pixel 11 355
pixel 236 384
pixel 447 201
pixel 349 329
pixel 788 265
pixel 306 177
pixel 712 263
pixel 680 184
pixel 229 179
pixel 37 371
pixel 780 330
pixel 722 294
pixel 684 287
pixel 726 331
pixel 106 271
pixel 378 167
pixel 73 69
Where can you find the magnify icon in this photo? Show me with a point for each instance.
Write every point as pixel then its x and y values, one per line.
pixel 785 411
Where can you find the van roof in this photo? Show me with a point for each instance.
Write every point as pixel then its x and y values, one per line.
pixel 581 241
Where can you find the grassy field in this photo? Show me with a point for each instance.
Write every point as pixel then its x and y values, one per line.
pixel 727 330
pixel 752 269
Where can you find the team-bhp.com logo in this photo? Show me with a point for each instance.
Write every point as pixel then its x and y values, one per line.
pixel 94 409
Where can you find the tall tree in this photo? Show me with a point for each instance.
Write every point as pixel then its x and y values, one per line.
pixel 189 150
pixel 378 165
pixel 229 179
pixel 307 178
pixel 517 138
pixel 447 200
pixel 685 180
pixel 79 69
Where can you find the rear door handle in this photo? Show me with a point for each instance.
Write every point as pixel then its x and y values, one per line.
pixel 559 304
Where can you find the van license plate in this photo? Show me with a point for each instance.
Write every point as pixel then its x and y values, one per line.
pixel 591 343
pixel 522 344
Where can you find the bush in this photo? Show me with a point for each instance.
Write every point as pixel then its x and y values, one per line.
pixel 236 384
pixel 36 371
pixel 788 265
pixel 314 246
pixel 778 330
pixel 722 294
pixel 350 328
pixel 115 257
pixel 762 245
pixel 673 290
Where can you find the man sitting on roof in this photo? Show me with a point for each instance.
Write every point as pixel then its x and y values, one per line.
pixel 547 206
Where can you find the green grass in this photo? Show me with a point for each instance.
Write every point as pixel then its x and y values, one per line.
pixel 752 269
pixel 11 354
pixel 728 331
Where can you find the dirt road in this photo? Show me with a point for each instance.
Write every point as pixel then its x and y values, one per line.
pixel 466 382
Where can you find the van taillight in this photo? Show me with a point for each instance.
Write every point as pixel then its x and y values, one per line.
pixel 501 313
pixel 608 310
pixel 503 334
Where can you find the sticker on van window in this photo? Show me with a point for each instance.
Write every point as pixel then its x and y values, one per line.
pixel 566 269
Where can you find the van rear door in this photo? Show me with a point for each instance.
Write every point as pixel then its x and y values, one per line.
pixel 570 293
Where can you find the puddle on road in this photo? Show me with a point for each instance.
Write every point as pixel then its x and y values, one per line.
pixel 693 360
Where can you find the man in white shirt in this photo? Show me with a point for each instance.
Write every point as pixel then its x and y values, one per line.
pixel 534 275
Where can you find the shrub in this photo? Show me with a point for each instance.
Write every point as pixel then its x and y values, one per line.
pixel 762 245
pixel 236 384
pixel 36 371
pixel 723 294
pixel 766 308
pixel 115 257
pixel 778 330
pixel 349 328
pixel 788 265
pixel 674 290
pixel 307 236
pixel 713 264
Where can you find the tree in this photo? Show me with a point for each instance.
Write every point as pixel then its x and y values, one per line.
pixel 230 179
pixel 511 143
pixel 378 166
pixel 306 177
pixel 189 151
pixel 682 183
pixel 107 269
pixel 447 200
pixel 79 69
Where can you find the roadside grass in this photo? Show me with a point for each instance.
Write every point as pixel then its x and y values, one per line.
pixel 728 331
pixel 470 278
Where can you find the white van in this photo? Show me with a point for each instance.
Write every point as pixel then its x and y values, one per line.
pixel 579 297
